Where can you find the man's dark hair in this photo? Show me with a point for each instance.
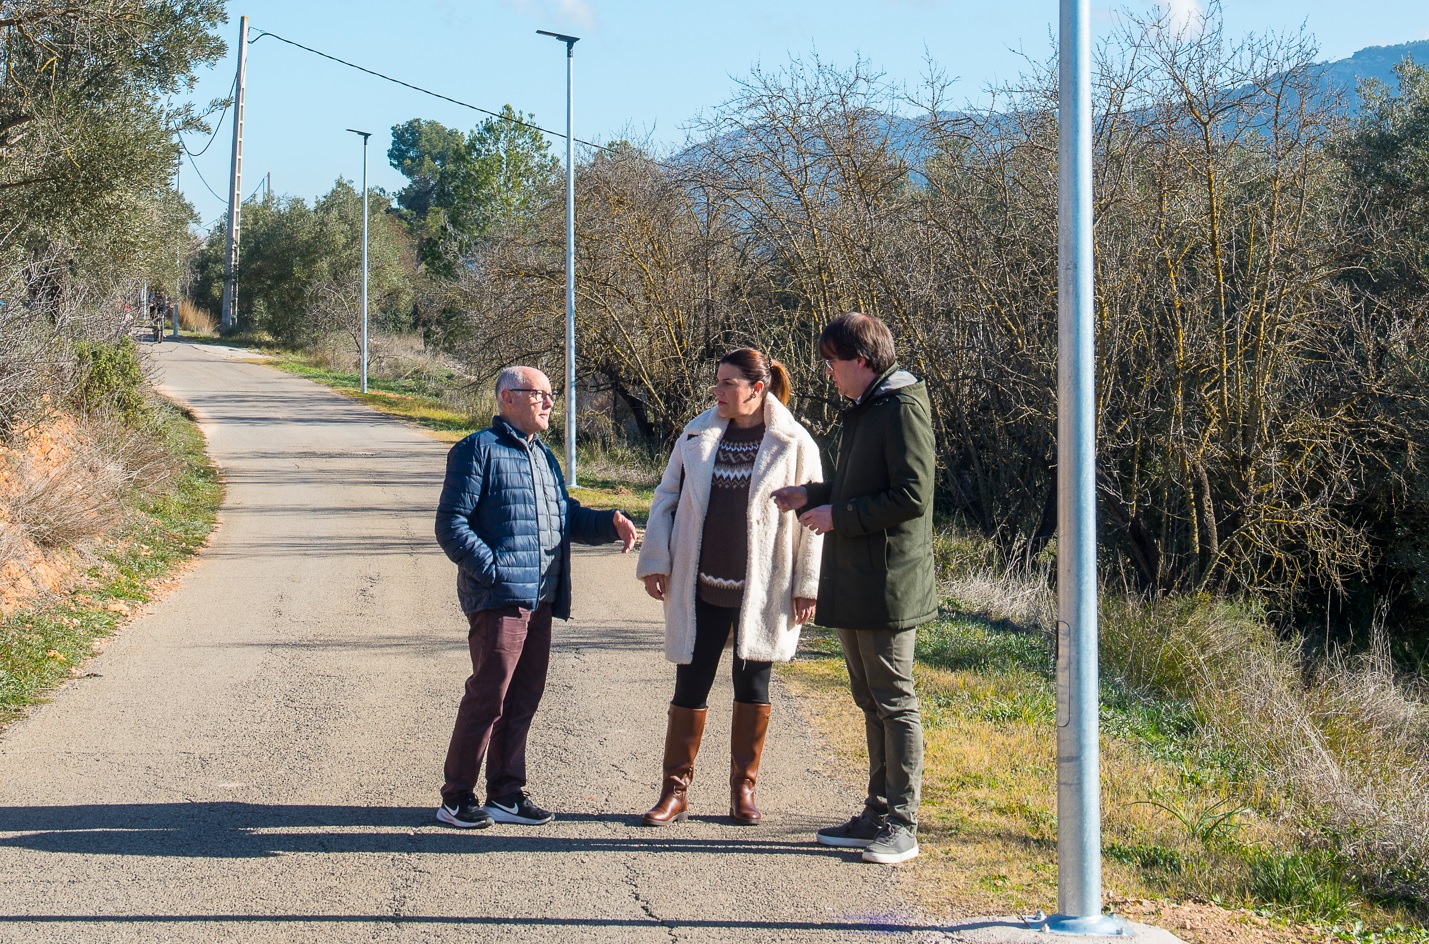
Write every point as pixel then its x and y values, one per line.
pixel 856 335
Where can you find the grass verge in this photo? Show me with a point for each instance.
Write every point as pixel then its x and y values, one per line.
pixel 408 399
pixel 1192 839
pixel 42 646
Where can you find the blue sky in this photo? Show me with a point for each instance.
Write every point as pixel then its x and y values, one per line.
pixel 643 70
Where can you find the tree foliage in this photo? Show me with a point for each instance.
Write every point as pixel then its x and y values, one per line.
pixel 1259 309
pixel 463 187
pixel 86 153
pixel 85 135
pixel 1385 281
pixel 300 267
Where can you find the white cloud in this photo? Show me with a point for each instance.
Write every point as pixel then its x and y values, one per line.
pixel 1183 15
pixel 559 14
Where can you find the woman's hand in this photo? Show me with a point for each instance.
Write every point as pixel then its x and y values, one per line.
pixel 790 497
pixel 803 609
pixel 655 585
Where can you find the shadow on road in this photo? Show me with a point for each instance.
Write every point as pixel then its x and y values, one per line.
pixel 258 830
pixel 875 925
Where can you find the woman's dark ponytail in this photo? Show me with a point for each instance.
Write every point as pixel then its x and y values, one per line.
pixel 757 368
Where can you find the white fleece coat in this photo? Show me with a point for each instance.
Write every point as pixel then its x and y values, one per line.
pixel 783 555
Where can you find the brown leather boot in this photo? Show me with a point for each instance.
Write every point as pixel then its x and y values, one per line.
pixel 682 742
pixel 746 744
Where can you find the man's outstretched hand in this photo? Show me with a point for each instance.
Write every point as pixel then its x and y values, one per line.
pixel 819 520
pixel 625 528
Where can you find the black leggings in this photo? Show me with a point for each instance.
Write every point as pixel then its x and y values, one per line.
pixel 713 625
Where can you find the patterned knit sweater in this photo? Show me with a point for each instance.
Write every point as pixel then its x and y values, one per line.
pixel 724 548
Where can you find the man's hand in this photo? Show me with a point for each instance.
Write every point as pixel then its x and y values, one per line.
pixel 655 585
pixel 625 528
pixel 803 609
pixel 819 520
pixel 790 497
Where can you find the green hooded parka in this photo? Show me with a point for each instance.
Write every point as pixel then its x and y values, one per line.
pixel 878 560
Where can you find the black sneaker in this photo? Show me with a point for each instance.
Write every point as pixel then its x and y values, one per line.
pixel 464 813
pixel 857 833
pixel 896 842
pixel 517 808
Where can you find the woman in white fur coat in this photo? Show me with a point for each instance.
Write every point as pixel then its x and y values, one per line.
pixel 725 560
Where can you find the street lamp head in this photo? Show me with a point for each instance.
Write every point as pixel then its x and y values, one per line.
pixel 568 40
pixel 365 134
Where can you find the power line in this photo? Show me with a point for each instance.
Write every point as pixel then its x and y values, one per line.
pixel 261 184
pixel 216 128
pixel 418 88
pixel 201 180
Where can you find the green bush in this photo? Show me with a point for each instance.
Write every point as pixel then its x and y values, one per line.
pixel 109 381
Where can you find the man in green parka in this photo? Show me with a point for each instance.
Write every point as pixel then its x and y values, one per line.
pixel 877 582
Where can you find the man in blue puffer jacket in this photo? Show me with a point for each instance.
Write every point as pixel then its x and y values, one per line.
pixel 505 520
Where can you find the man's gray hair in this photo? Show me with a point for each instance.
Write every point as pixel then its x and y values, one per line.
pixel 509 379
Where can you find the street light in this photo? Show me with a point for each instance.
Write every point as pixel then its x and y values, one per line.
pixel 1079 882
pixel 365 136
pixel 570 42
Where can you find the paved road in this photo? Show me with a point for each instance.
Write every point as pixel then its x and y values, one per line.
pixel 259 756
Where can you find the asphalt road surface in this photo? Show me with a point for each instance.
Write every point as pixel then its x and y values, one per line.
pixel 257 757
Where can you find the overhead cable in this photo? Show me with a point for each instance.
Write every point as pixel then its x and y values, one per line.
pixel 204 182
pixel 216 128
pixel 418 88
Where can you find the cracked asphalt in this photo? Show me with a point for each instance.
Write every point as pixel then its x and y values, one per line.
pixel 257 757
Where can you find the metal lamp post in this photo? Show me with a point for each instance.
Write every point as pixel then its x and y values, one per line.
pixel 1079 887
pixel 365 136
pixel 570 42
pixel 178 253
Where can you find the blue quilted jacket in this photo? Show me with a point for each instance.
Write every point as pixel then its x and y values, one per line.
pixel 486 521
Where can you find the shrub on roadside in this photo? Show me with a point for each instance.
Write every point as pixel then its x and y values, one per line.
pixel 102 463
pixel 110 380
pixel 30 363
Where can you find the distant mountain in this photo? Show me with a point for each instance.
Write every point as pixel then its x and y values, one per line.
pixel 910 136
pixel 1374 62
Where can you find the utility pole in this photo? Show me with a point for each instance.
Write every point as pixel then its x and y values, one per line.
pixel 1079 863
pixel 235 182
pixel 365 136
pixel 570 42
pixel 178 252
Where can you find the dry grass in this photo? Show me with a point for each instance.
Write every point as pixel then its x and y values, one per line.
pixel 988 820
pixel 48 632
pixel 62 507
pixel 999 594
pixel 66 483
pixel 1231 772
pixel 196 320
pixel 404 378
pixel 1344 744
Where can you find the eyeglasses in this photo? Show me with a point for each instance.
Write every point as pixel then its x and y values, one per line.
pixel 535 394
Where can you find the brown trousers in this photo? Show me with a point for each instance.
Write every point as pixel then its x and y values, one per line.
pixel 510 651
